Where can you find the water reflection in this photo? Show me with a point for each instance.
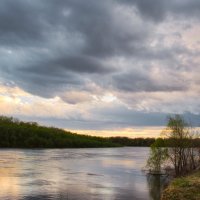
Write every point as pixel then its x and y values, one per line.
pixel 156 185
pixel 74 174
pixel 9 184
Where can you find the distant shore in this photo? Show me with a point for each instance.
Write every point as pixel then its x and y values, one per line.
pixel 18 134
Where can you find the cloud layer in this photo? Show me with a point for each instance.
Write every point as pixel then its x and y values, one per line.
pixel 127 62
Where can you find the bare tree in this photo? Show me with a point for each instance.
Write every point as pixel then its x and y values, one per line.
pixel 180 147
pixel 181 150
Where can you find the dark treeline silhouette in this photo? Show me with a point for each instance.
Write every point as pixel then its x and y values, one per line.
pixel 17 134
pixel 136 142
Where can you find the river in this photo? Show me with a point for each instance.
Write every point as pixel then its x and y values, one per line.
pixel 77 174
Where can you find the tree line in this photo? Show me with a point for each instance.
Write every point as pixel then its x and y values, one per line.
pixel 135 142
pixel 18 134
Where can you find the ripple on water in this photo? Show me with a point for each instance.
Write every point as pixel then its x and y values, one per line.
pixel 41 182
pixel 73 174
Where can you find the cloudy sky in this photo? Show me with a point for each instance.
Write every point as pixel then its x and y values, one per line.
pixel 109 67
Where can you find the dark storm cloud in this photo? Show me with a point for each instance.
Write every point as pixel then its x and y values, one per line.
pixel 79 64
pixel 75 35
pixel 23 22
pixel 123 117
pixel 48 47
pixel 139 82
pixel 157 10
pixel 20 23
pixel 154 9
pixel 185 8
pixel 120 117
pixel 47 86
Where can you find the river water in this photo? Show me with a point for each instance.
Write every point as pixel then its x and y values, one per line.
pixel 77 174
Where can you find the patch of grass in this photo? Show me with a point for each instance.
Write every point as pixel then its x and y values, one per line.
pixel 184 188
pixel 181 182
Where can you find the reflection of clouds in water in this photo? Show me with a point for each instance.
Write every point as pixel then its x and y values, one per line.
pixel 140 186
pixel 120 163
pixel 9 169
pixel 130 194
pixel 10 185
pixel 76 174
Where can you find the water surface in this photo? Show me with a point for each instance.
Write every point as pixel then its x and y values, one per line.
pixel 77 174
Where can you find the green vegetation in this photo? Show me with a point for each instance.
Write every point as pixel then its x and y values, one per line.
pixel 18 134
pixel 158 156
pixel 136 142
pixel 184 188
pixel 180 148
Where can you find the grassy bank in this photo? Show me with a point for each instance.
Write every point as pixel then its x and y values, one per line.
pixel 184 188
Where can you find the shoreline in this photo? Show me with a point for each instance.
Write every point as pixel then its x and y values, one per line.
pixel 184 188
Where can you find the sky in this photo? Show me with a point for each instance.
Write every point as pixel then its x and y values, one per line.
pixel 109 67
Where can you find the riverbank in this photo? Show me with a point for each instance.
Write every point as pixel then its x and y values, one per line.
pixel 184 188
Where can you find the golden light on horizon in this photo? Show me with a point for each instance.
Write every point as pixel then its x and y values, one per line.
pixel 136 132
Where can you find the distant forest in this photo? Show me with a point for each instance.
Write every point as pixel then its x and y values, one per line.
pixel 17 134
